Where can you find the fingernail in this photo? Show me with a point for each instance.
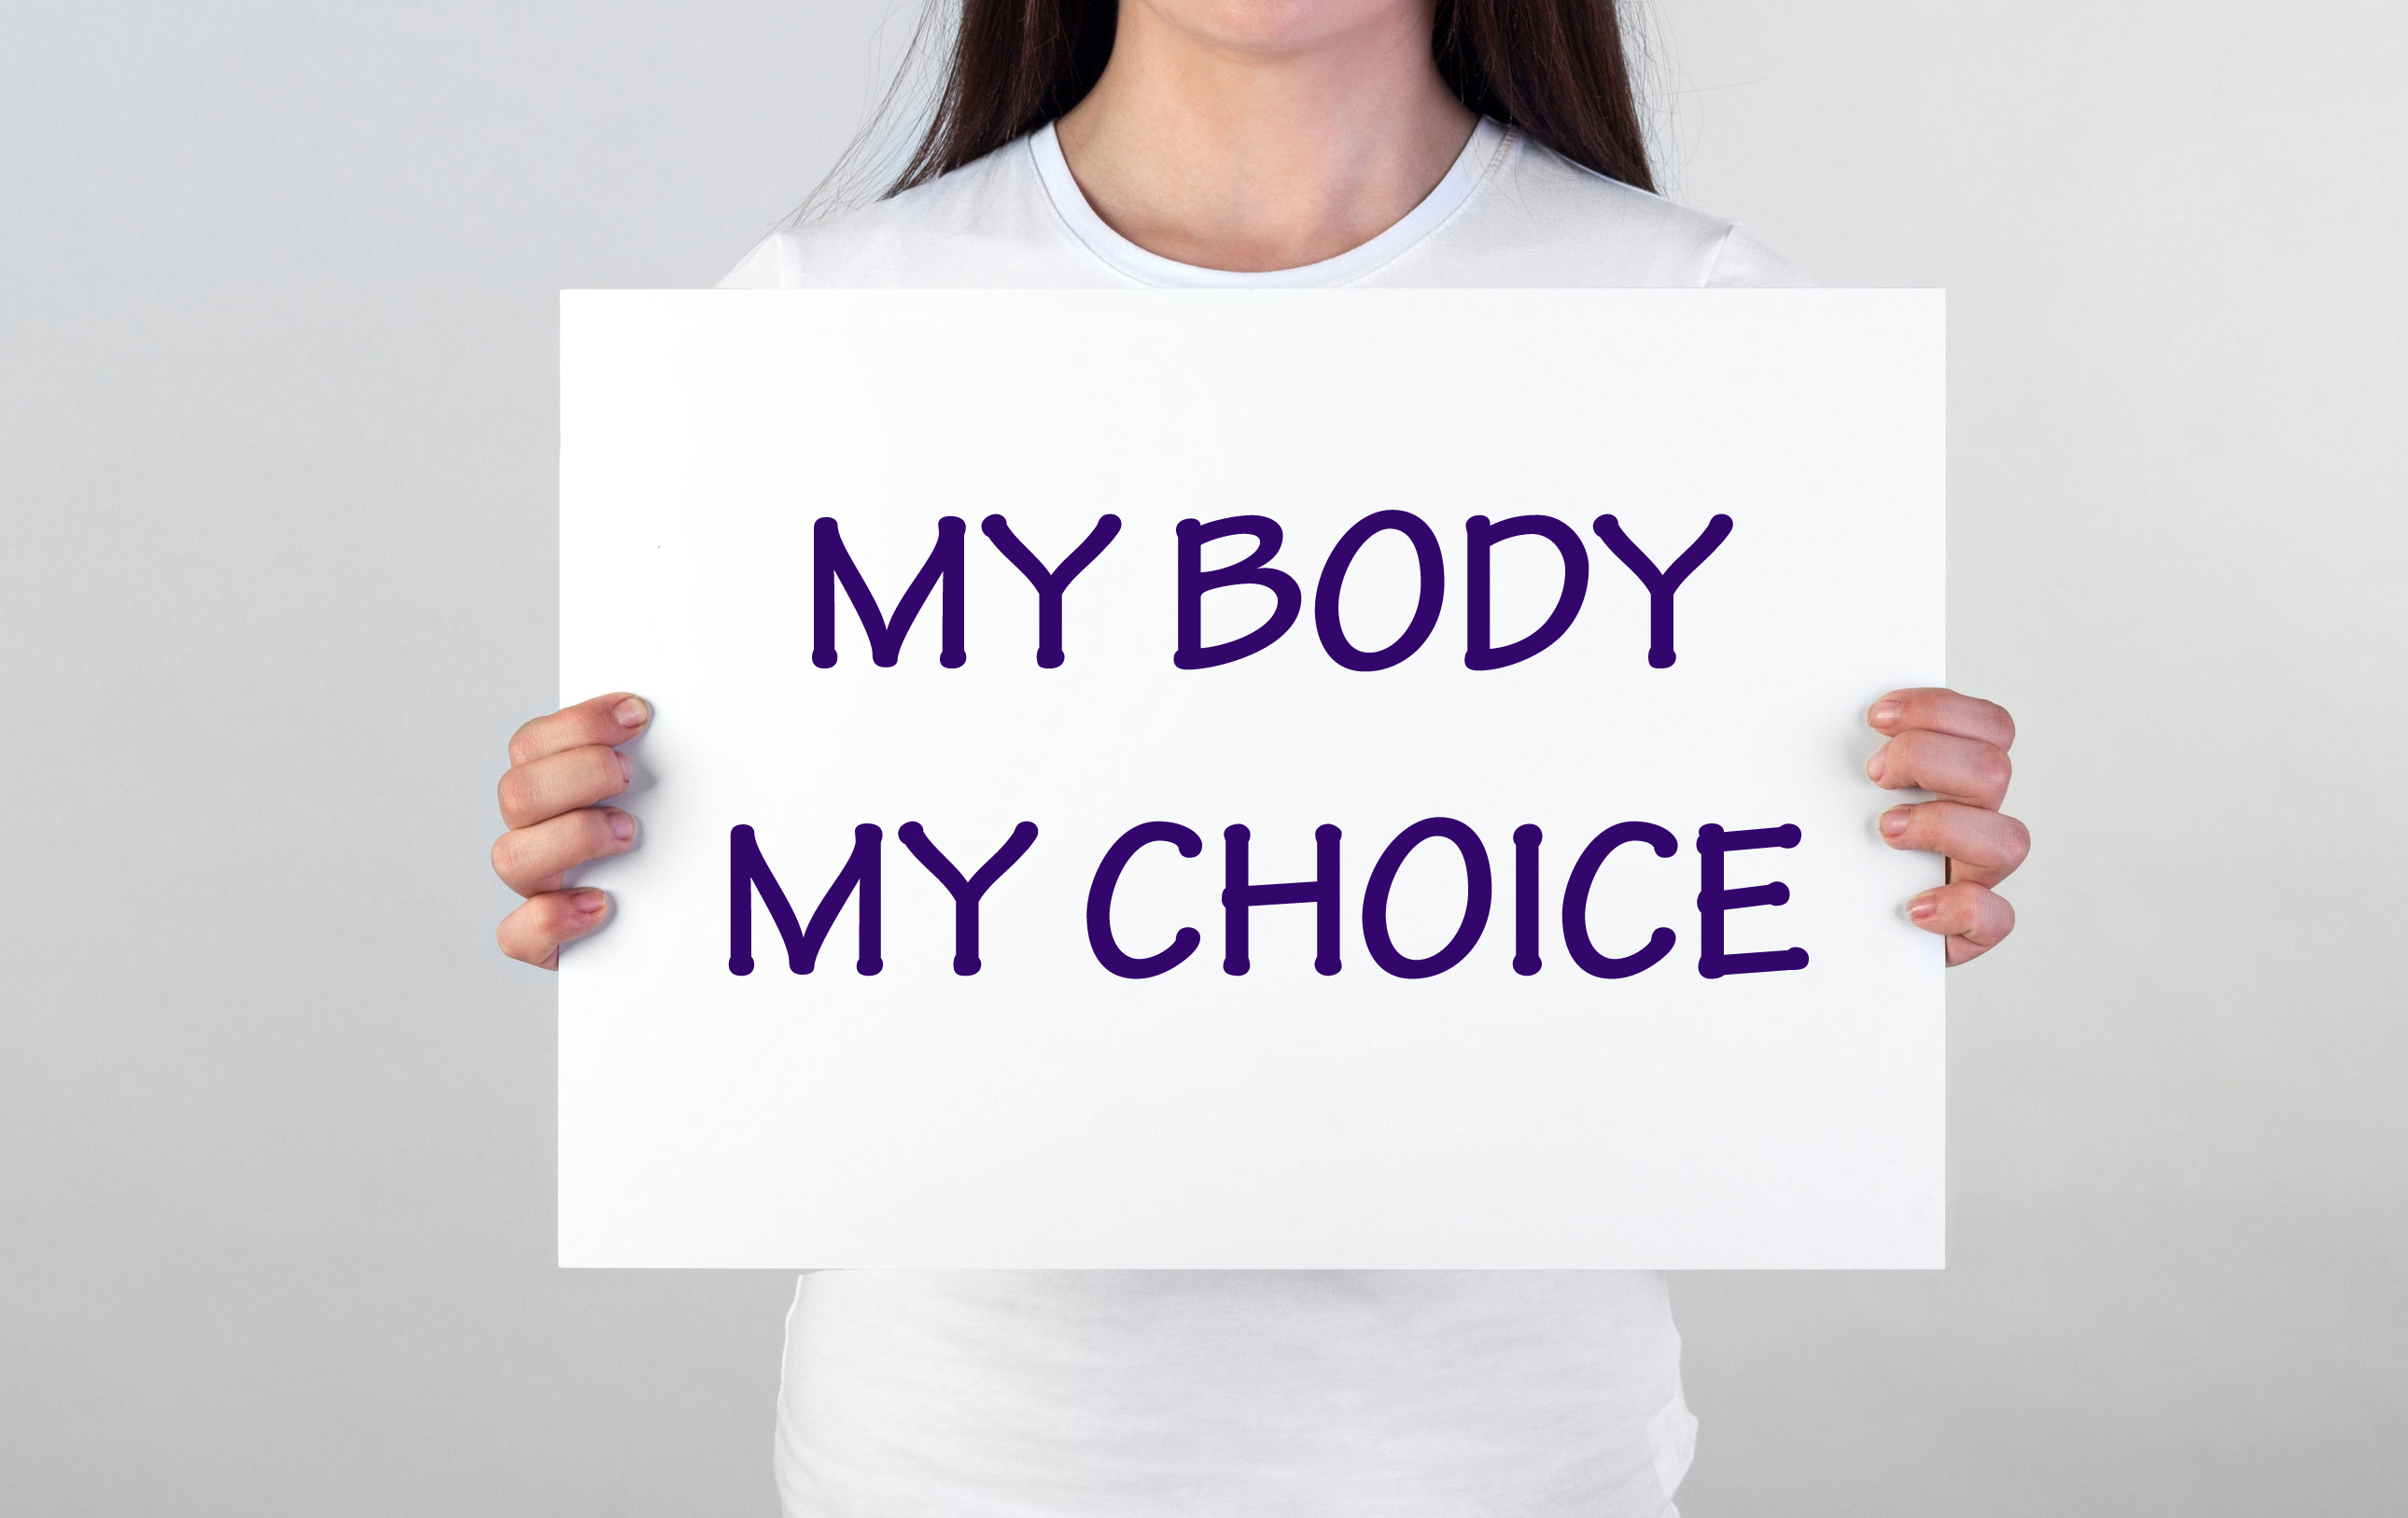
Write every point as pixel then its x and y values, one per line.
pixel 588 901
pixel 622 826
pixel 1885 712
pixel 1874 765
pixel 632 713
pixel 626 767
pixel 1894 821
pixel 1923 906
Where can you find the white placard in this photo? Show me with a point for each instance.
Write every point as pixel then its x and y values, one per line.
pixel 1082 1101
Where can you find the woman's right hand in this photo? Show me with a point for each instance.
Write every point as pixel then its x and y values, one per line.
pixel 560 767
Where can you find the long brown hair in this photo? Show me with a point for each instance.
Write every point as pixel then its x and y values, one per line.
pixel 1553 68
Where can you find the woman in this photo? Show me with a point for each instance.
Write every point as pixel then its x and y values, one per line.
pixel 1256 142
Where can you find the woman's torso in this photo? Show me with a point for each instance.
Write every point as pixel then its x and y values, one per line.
pixel 1270 1394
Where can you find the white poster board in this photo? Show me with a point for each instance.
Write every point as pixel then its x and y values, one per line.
pixel 1519 1086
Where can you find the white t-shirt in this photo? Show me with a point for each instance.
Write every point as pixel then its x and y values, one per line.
pixel 1242 1394
pixel 1509 214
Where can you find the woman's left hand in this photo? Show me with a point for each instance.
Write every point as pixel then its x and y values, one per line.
pixel 1955 748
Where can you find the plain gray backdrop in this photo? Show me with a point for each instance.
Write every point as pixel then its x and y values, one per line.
pixel 275 441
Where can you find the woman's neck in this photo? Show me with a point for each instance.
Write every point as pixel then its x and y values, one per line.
pixel 1220 139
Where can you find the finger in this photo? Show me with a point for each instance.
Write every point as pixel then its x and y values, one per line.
pixel 605 720
pixel 535 930
pixel 1935 710
pixel 1950 767
pixel 532 860
pixel 1973 918
pixel 1985 847
pixel 546 787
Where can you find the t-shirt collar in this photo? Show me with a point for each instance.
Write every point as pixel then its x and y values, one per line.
pixel 1070 204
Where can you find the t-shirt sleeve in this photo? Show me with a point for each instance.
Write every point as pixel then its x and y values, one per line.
pixel 764 268
pixel 1742 262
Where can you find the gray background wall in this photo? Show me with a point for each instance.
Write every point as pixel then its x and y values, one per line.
pixel 275 321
